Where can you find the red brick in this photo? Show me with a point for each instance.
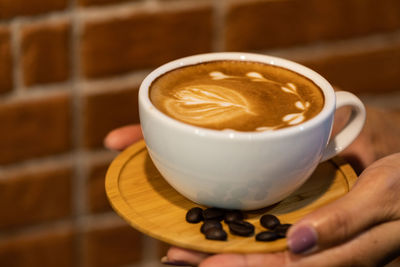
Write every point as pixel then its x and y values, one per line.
pixel 33 128
pixel 45 52
pixel 270 24
pixel 361 71
pixel 144 40
pixel 47 248
pixel 6 66
pixel 96 194
pixel 112 245
pixel 102 112
pixel 100 2
pixel 12 8
pixel 21 194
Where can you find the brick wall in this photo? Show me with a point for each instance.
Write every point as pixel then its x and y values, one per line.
pixel 70 71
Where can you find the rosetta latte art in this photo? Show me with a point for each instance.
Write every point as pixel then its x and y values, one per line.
pixel 210 104
pixel 207 104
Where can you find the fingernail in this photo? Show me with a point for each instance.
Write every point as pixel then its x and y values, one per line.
pixel 302 239
pixel 166 261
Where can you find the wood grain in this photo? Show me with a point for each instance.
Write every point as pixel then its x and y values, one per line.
pixel 140 195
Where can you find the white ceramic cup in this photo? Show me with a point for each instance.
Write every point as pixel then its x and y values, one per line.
pixel 244 170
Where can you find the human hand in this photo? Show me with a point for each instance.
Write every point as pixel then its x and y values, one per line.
pixel 359 229
pixel 358 153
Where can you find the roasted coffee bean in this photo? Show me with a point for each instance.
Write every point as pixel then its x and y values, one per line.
pixel 213 214
pixel 269 221
pixel 216 234
pixel 267 236
pixel 233 215
pixel 194 215
pixel 210 224
pixel 241 228
pixel 282 229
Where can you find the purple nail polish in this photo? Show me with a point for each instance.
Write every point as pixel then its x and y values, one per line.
pixel 165 261
pixel 302 239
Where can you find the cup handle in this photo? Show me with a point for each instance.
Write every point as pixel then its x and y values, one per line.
pixel 352 128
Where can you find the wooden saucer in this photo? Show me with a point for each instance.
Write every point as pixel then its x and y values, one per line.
pixel 141 196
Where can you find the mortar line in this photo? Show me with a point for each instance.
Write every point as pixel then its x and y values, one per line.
pixel 219 25
pixel 26 230
pixel 16 58
pixel 69 156
pixel 149 246
pixel 106 11
pixel 76 128
pixel 36 17
pixel 150 249
pixel 99 13
pixel 35 164
pixel 338 47
pixel 80 177
pixel 100 219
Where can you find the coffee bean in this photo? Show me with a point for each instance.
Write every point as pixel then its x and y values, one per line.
pixel 241 228
pixel 267 236
pixel 282 229
pixel 213 214
pixel 194 215
pixel 233 215
pixel 216 234
pixel 269 221
pixel 210 224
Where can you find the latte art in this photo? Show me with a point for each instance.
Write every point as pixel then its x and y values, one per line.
pixel 243 96
pixel 207 104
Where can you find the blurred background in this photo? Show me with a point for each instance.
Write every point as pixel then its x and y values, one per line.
pixel 70 71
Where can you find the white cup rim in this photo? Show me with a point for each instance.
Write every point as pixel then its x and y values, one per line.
pixel 323 84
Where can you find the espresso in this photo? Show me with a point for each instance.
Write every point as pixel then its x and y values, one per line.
pixel 237 95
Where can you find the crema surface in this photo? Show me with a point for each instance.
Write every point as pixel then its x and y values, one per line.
pixel 237 95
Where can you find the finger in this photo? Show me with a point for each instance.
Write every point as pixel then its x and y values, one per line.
pixel 245 260
pixel 371 201
pixel 375 247
pixel 121 138
pixel 181 256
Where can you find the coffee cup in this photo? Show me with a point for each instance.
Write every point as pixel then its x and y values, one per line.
pixel 214 139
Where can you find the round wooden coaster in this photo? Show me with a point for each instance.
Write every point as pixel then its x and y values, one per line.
pixel 141 196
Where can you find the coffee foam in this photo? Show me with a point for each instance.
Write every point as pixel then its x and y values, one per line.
pixel 205 104
pixel 244 96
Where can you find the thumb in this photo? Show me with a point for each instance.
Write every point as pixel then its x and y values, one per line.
pixel 369 202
